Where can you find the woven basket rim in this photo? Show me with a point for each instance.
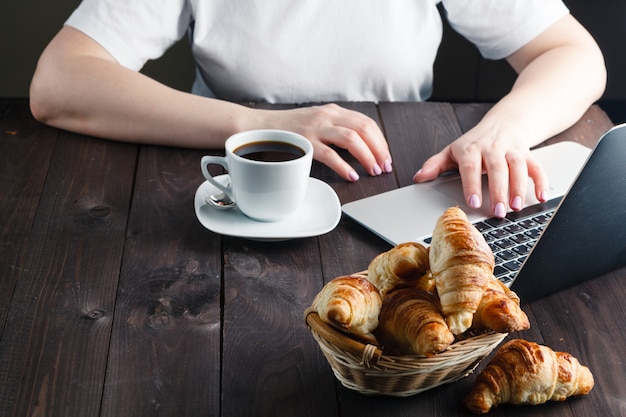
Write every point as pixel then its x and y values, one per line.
pixel 355 348
pixel 365 368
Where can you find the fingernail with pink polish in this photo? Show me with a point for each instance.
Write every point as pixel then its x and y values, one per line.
pixel 544 195
pixel 377 170
pixel 516 204
pixel 474 201
pixel 499 210
pixel 353 176
pixel 387 166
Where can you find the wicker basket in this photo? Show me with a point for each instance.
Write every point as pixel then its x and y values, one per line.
pixel 364 368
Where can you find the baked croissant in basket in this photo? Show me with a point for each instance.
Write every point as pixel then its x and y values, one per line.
pixel 411 322
pixel 524 372
pixel 352 304
pixel 461 262
pixel 401 266
pixel 499 310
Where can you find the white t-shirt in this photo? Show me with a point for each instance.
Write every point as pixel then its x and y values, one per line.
pixel 310 50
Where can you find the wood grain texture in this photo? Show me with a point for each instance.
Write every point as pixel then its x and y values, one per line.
pixel 415 132
pixel 115 301
pixel 58 328
pixel 25 150
pixel 271 364
pixel 165 344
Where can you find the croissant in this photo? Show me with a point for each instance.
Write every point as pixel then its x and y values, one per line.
pixel 499 310
pixel 524 372
pixel 411 322
pixel 352 304
pixel 400 266
pixel 461 262
pixel 426 283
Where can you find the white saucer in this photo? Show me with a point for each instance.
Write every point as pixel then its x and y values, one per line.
pixel 319 214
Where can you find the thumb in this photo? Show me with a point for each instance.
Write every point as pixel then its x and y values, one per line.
pixel 434 166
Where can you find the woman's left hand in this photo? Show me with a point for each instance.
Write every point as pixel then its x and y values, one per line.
pixel 503 155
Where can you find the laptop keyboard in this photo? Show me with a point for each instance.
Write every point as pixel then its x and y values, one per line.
pixel 512 237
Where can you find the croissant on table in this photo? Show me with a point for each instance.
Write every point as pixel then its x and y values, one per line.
pixel 461 263
pixel 352 304
pixel 499 309
pixel 401 266
pixel 411 322
pixel 524 372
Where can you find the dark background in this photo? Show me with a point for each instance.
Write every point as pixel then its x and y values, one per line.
pixel 26 26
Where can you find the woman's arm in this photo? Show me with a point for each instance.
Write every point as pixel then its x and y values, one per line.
pixel 79 86
pixel 561 73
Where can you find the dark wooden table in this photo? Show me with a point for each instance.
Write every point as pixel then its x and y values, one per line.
pixel 115 301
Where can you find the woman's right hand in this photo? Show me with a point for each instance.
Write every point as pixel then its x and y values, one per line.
pixel 329 126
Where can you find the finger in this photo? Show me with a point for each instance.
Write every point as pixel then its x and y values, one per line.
pixel 329 157
pixel 498 174
pixel 369 132
pixel 351 141
pixel 470 165
pixel 374 155
pixel 540 179
pixel 435 166
pixel 518 179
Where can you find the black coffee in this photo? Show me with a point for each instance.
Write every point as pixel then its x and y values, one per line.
pixel 269 151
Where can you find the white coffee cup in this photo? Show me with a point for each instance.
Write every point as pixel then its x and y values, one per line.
pixel 269 172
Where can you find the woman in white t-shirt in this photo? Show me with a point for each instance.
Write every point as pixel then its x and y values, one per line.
pixel 87 79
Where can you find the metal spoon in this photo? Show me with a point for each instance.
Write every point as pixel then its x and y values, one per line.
pixel 220 201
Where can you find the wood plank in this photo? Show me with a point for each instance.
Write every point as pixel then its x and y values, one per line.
pixel 272 365
pixel 58 328
pixel 25 151
pixel 165 345
pixel 416 131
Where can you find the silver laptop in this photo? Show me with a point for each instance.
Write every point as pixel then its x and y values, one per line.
pixel 578 235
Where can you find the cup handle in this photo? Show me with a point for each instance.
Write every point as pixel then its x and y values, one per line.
pixel 219 160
